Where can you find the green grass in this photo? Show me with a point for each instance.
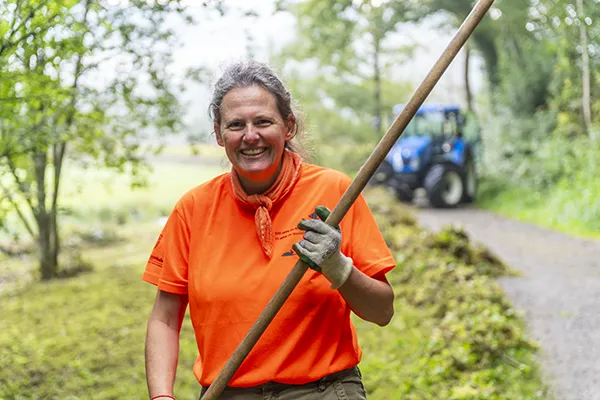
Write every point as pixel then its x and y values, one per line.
pixel 96 195
pixel 96 192
pixel 103 204
pixel 83 338
pixel 571 207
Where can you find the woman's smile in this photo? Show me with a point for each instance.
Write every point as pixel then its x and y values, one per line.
pixel 254 153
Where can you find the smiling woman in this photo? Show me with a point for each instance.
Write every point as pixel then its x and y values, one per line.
pixel 230 243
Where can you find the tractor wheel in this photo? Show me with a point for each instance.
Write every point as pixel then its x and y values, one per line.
pixel 382 174
pixel 444 186
pixel 469 181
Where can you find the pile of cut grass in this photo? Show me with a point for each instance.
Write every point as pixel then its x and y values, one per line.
pixel 454 335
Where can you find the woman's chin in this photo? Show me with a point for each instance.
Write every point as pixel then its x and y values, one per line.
pixel 257 171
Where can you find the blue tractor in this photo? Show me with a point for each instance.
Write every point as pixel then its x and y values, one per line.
pixel 439 152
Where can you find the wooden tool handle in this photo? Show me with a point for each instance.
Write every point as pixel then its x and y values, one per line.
pixel 351 194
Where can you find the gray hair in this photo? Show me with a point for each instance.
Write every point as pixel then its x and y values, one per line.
pixel 254 73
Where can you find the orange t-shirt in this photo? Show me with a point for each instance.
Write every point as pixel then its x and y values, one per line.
pixel 210 251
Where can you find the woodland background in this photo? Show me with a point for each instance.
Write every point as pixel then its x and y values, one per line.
pixel 101 132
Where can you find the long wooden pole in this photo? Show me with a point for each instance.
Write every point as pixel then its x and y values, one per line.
pixel 351 194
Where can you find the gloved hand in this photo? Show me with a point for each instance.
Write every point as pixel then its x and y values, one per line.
pixel 320 249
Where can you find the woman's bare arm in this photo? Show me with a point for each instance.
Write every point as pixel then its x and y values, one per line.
pixel 162 342
pixel 370 298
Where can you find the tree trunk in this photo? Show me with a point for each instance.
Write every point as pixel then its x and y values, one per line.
pixel 58 158
pixel 468 93
pixel 585 67
pixel 48 252
pixel 47 238
pixel 377 79
pixel 54 241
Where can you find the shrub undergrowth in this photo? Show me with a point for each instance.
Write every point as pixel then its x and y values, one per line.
pixel 544 170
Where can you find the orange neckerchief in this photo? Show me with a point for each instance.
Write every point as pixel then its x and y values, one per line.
pixel 262 203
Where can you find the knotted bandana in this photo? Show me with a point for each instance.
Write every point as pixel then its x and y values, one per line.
pixel 262 203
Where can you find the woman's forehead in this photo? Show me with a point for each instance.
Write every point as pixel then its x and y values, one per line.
pixel 248 100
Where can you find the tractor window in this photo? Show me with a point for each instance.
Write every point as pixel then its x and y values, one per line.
pixel 427 124
pixel 451 127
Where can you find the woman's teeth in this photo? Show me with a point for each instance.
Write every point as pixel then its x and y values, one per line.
pixel 252 152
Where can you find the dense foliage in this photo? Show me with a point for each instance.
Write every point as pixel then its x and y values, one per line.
pixel 543 135
pixel 540 107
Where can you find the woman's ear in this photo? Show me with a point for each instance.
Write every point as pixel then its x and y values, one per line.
pixel 218 135
pixel 291 127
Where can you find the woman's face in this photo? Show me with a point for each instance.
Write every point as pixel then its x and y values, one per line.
pixel 253 133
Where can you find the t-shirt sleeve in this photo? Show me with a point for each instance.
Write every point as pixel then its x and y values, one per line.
pixel 167 267
pixel 363 241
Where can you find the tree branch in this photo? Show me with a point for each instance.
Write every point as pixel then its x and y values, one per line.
pixel 12 201
pixel 32 12
pixel 12 29
pixel 40 160
pixel 61 145
pixel 585 71
pixel 59 154
pixel 25 190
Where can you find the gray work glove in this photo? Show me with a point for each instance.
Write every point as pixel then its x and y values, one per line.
pixel 320 249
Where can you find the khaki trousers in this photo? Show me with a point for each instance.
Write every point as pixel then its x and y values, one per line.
pixel 343 385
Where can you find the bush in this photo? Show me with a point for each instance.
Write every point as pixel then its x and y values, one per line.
pixel 555 184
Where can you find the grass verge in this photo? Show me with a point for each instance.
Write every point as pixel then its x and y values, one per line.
pixel 570 206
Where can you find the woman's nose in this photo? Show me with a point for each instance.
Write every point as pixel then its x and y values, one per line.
pixel 251 134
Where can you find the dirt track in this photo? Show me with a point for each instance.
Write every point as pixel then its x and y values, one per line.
pixel 559 291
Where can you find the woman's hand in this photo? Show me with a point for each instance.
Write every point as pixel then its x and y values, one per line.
pixel 371 298
pixel 320 249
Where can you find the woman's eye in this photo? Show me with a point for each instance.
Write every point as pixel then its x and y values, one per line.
pixel 235 125
pixel 264 122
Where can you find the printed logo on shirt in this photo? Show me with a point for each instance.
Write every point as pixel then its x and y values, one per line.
pixel 157 241
pixel 290 232
pixel 154 256
pixel 287 233
pixel 156 261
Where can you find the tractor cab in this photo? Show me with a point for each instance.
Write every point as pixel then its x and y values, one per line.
pixel 438 152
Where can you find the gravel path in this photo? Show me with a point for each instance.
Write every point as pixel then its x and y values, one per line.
pixel 559 292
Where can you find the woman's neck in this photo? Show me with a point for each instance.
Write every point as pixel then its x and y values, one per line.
pixel 259 182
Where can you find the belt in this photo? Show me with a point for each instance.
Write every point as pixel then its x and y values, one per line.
pixel 278 387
